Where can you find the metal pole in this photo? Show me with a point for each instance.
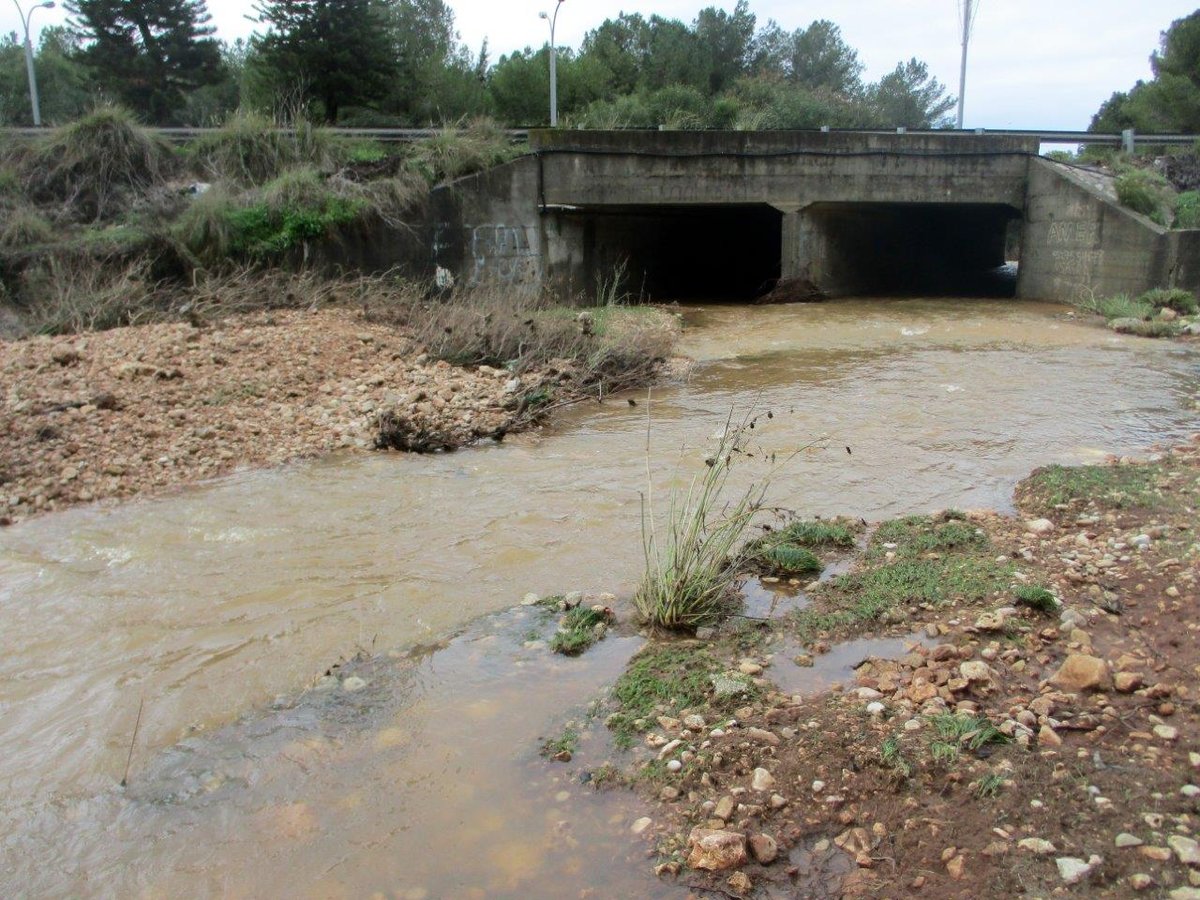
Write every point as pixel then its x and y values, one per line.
pixel 34 101
pixel 962 78
pixel 553 81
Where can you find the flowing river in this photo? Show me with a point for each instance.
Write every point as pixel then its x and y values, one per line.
pixel 214 611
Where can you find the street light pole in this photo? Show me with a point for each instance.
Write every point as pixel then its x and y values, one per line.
pixel 553 63
pixel 968 22
pixel 33 88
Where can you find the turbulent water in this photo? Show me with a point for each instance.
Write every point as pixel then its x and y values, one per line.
pixel 208 604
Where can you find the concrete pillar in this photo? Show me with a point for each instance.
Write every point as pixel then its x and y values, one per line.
pixel 792 262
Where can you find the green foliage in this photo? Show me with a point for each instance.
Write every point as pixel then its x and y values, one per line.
pixel 1118 487
pixel 1156 328
pixel 149 53
pixel 95 166
pixel 1146 193
pixel 355 69
pixel 989 785
pixel 1187 210
pixel 1063 156
pixel 295 208
pixel 580 628
pixel 1035 597
pixel 963 730
pixel 65 88
pixel 911 97
pixel 788 559
pixel 1119 306
pixel 1176 299
pixel 1171 101
pixel 892 757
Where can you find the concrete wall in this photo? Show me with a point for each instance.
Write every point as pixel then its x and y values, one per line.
pixel 1077 242
pixel 788 170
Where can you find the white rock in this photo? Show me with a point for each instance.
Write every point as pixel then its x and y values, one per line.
pixel 1039 526
pixel 762 780
pixel 1185 848
pixel 875 709
pixel 818 786
pixel 1190 791
pixel 640 826
pixel 353 683
pixel 1074 870
pixel 674 766
pixel 1125 839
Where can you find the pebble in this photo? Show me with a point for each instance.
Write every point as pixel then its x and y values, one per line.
pixel 353 684
pixel 1166 732
pixel 1190 791
pixel 1040 846
pixel 640 826
pixel 1185 848
pixel 875 709
pixel 1125 839
pixel 762 780
pixel 1073 870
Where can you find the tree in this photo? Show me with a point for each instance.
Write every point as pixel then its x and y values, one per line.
pixel 1169 102
pixel 726 41
pixel 338 52
pixel 910 97
pixel 65 85
pixel 148 53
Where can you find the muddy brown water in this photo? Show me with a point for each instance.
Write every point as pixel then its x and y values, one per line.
pixel 213 602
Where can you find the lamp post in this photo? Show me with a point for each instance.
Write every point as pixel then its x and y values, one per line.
pixel 33 89
pixel 969 9
pixel 553 20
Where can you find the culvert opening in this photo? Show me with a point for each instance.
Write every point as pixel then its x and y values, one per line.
pixel 686 253
pixel 857 249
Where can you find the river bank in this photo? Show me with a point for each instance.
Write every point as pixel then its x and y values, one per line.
pixel 1031 727
pixel 112 415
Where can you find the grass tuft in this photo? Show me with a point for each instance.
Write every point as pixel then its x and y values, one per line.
pixel 689 564
pixel 1175 299
pixel 251 149
pixel 95 166
pixel 24 226
pixel 1119 306
pixel 458 151
pixel 1146 193
pixel 1117 486
pixel 1036 597
pixel 580 628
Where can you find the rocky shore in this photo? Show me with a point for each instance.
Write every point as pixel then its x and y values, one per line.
pixel 1038 734
pixel 115 414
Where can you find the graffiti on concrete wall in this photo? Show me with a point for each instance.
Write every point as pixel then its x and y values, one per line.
pixel 1075 250
pixel 502 253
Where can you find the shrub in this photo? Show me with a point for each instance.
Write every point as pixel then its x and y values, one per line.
pixel 1062 156
pixel 251 149
pixel 96 165
pixel 456 152
pixel 1187 210
pixel 23 227
pixel 1176 299
pixel 1153 329
pixel 1146 193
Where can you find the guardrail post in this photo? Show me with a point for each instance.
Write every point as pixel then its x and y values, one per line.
pixel 1128 141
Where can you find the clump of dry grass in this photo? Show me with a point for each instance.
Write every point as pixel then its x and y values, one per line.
pixel 252 149
pixel 94 167
pixel 24 226
pixel 494 325
pixel 68 294
pixel 460 150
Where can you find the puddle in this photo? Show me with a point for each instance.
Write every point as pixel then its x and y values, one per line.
pixel 767 598
pixel 835 667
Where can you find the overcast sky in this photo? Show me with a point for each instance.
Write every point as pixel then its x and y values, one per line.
pixel 1034 63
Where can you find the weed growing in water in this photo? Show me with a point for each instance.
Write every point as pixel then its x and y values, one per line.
pixel 580 628
pixel 690 564
pixel 564 746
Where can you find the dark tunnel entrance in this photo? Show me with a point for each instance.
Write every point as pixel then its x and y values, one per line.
pixel 960 250
pixel 741 252
pixel 686 252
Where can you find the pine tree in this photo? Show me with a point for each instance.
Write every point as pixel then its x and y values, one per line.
pixel 149 53
pixel 339 52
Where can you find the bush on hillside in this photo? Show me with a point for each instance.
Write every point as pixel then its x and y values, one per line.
pixel 1145 193
pixel 1187 210
pixel 251 149
pixel 94 167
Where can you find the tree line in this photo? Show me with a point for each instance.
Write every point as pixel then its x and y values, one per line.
pixel 402 63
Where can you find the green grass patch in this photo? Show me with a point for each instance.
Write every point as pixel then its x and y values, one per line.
pixel 817 533
pixel 931 563
pixel 252 149
pixel 788 559
pixel 1118 306
pixel 1176 299
pixel 893 758
pixel 580 628
pixel 1146 193
pixel 666 678
pixel 1117 487
pixel 1187 210
pixel 1036 597
pixel 962 730
pixel 989 785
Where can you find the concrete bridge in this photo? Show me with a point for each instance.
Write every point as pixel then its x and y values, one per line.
pixel 731 215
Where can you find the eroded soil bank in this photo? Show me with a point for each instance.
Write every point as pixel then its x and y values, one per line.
pixel 1032 729
pixel 132 411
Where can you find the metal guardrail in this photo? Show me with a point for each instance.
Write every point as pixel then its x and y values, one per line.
pixel 1128 139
